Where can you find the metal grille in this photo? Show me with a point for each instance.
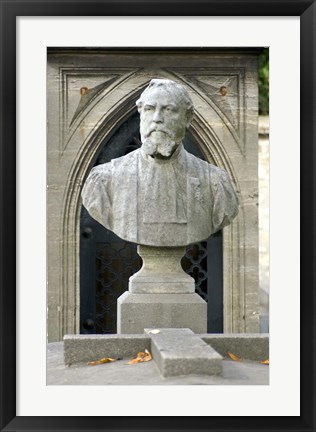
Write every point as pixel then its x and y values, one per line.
pixel 195 264
pixel 115 263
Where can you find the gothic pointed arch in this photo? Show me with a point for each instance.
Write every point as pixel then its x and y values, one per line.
pixel 97 120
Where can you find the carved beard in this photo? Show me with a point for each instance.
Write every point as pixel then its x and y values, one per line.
pixel 159 143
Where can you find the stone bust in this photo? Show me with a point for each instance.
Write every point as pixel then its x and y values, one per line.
pixel 161 195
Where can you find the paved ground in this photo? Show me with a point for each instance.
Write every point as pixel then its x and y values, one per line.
pixel 121 373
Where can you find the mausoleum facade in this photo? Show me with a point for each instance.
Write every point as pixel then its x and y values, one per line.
pixel 92 118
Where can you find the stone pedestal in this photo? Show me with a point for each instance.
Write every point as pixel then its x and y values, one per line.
pixel 135 312
pixel 161 295
pixel 161 272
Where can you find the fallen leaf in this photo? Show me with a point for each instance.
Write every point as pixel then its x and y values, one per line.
pixel 266 362
pixel 135 360
pixel 141 357
pixel 101 361
pixel 233 356
pixel 148 356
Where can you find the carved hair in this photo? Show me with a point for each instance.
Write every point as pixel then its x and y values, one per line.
pixel 180 92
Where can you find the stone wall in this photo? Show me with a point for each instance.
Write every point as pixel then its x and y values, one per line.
pixel 92 92
pixel 264 281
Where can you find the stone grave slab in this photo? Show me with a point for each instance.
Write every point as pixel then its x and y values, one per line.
pixel 253 346
pixel 85 348
pixel 181 352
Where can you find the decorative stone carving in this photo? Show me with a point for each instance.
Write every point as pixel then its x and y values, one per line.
pixel 161 195
pixel 87 95
pixel 223 90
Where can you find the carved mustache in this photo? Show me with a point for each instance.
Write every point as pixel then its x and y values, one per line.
pixel 156 129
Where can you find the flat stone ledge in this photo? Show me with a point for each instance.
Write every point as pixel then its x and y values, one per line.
pixel 181 352
pixel 250 346
pixel 85 348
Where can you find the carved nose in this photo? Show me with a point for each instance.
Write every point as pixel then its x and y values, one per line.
pixel 158 118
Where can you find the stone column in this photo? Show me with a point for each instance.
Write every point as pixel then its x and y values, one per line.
pixel 161 295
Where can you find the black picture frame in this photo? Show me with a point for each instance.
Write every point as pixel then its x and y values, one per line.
pixel 306 10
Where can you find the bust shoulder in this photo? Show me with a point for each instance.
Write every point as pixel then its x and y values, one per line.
pixel 217 174
pixel 196 165
pixel 100 174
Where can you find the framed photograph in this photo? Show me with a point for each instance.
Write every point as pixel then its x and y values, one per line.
pixel 25 101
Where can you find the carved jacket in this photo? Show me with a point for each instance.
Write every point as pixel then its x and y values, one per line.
pixel 156 202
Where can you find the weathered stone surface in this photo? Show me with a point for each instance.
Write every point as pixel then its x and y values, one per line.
pixel 247 346
pixel 161 195
pixel 135 312
pixel 84 348
pixel 161 272
pixel 181 352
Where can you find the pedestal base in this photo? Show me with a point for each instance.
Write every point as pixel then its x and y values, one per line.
pixel 135 312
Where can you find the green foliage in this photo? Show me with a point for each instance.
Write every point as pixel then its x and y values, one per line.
pixel 264 82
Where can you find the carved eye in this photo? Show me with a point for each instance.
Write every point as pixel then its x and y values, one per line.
pixel 170 110
pixel 148 108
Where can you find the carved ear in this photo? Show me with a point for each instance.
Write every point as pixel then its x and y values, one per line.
pixel 189 118
pixel 139 105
